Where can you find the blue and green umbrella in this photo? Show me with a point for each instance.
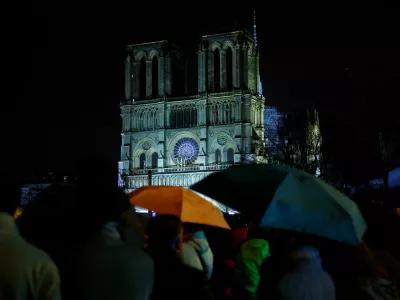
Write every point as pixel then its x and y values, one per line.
pixel 287 198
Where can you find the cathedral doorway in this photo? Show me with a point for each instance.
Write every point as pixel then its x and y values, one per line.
pixel 230 156
pixel 218 156
pixel 154 160
pixel 142 161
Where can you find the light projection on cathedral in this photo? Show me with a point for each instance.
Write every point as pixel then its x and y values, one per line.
pixel 186 151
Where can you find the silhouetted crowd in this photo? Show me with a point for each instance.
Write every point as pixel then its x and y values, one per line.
pixel 85 241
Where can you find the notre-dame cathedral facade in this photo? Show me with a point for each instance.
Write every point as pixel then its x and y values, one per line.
pixel 182 138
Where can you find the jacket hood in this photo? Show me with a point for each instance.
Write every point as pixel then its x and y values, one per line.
pixel 306 256
pixel 199 242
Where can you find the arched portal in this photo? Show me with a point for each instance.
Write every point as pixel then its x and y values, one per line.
pixel 230 156
pixel 229 69
pixel 154 160
pixel 142 161
pixel 217 156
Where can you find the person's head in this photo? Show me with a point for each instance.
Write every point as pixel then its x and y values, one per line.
pixel 164 231
pixel 190 228
pixel 97 171
pixel 100 198
pixel 10 193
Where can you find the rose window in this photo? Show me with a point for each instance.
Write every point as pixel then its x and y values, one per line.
pixel 146 145
pixel 222 140
pixel 186 151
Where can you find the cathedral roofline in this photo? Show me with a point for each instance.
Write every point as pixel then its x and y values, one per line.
pixel 152 44
pixel 148 43
pixel 225 34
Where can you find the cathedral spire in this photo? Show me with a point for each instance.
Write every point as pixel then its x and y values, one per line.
pixel 255 30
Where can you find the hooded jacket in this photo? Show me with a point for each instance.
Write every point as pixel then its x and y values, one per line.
pixel 308 280
pixel 197 253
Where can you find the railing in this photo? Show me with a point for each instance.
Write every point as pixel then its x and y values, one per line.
pixel 184 176
pixel 183 169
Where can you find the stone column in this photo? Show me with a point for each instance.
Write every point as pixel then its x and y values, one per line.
pixel 221 113
pixel 136 79
pixel 233 113
pixel 149 78
pixel 209 113
pixel 123 121
pixel 161 115
pixel 244 68
pixel 236 66
pixel 251 73
pixel 168 116
pixel 262 114
pixel 222 68
pixel 161 78
pixel 203 114
pixel 202 68
pixel 198 110
pixel 210 71
pixel 128 78
pixel 239 110
pixel 247 110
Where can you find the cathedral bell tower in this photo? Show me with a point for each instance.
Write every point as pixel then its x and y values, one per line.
pixel 228 62
pixel 151 70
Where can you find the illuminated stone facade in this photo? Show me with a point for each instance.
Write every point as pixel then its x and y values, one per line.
pixel 182 138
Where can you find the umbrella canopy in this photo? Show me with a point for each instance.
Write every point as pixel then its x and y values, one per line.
pixel 174 200
pixel 17 213
pixel 292 199
pixel 246 188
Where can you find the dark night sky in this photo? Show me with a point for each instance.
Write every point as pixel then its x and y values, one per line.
pixel 67 67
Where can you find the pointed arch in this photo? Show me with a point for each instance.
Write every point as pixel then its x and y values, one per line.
pixel 229 68
pixel 142 78
pixel 217 70
pixel 154 74
pixel 142 161
pixel 154 160
pixel 230 156
pixel 218 157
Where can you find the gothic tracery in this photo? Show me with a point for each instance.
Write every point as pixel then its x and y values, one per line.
pixel 178 136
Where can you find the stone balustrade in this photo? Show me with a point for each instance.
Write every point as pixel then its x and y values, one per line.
pixel 184 169
pixel 184 176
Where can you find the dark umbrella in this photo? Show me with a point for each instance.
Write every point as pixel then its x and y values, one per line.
pixel 289 199
pixel 246 188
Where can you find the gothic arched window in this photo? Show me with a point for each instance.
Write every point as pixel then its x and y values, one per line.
pixel 142 78
pixel 154 160
pixel 154 74
pixel 218 156
pixel 141 121
pixel 229 69
pixel 230 156
pixel 217 71
pixel 142 161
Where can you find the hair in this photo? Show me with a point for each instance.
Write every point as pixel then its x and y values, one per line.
pixel 10 193
pixel 100 198
pixel 192 228
pixel 163 230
